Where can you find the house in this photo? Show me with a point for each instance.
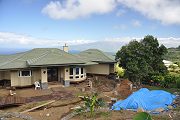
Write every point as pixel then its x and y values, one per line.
pixel 169 63
pixel 104 62
pixel 53 64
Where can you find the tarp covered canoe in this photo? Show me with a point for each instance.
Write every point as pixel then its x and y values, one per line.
pixel 146 100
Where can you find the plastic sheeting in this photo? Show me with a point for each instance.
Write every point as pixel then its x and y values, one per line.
pixel 146 100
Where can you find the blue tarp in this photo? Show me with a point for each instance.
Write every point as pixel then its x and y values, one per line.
pixel 146 100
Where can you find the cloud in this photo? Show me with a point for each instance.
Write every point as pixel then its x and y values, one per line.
pixel 120 27
pixel 114 44
pixel 8 39
pixel 166 11
pixel 170 41
pixel 136 23
pixel 14 40
pixel 120 12
pixel 167 41
pixel 73 9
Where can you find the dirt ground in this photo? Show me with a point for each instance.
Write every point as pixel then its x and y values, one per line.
pixel 67 98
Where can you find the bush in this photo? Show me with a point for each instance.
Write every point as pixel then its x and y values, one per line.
pixel 91 103
pixel 119 70
pixel 142 116
pixel 178 82
pixel 164 81
pixel 157 79
pixel 169 79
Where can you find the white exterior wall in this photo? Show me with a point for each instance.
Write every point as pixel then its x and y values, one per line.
pixel 98 69
pixel 40 74
pixel 36 75
pixel 66 74
pixel 112 68
pixel 5 75
pixel 16 80
pixel 44 78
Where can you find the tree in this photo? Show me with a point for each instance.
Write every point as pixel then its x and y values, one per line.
pixel 178 47
pixel 142 59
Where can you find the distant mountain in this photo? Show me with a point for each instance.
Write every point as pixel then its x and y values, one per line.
pixel 107 46
pixel 74 51
pixel 7 51
pixel 173 54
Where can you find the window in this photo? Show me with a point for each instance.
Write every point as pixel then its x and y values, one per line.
pixel 71 71
pixel 25 73
pixel 81 70
pixel 77 71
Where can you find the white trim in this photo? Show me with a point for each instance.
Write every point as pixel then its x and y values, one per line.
pixel 20 73
pixel 73 77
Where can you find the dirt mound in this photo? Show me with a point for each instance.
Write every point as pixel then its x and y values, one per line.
pixel 103 84
pixel 124 88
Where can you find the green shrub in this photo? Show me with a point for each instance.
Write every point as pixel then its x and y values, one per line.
pixel 158 79
pixel 165 81
pixel 119 70
pixel 168 80
pixel 178 82
pixel 142 116
pixel 92 102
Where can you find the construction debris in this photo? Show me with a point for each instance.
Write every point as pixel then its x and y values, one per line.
pixel 146 100
pixel 12 100
pixel 39 106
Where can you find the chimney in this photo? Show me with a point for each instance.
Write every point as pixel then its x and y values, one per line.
pixel 65 48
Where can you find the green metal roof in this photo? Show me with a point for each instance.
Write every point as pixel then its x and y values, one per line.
pixel 95 55
pixel 38 57
pixel 52 57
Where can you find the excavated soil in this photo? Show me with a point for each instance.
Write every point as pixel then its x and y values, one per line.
pixel 56 95
pixel 123 88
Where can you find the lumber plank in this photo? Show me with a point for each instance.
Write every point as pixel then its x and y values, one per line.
pixel 39 106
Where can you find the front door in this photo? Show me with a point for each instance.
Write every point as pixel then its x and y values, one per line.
pixel 52 74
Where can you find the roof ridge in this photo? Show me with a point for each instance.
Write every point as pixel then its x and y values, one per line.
pixel 102 53
pixel 71 55
pixel 106 55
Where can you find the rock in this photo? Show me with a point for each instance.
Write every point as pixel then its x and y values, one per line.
pixel 48 115
pixel 160 110
pixel 115 92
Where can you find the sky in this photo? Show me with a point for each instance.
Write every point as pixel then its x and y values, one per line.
pixel 52 23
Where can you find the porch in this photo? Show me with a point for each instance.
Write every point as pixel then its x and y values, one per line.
pixel 45 75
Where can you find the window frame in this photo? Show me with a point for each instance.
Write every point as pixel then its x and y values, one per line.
pixel 77 70
pixel 71 68
pixel 20 73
